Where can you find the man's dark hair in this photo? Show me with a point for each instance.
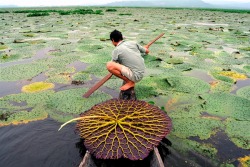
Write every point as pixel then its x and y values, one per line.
pixel 116 36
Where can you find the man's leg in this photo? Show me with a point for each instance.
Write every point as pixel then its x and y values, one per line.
pixel 116 68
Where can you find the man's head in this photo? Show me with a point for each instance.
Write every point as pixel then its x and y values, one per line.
pixel 116 36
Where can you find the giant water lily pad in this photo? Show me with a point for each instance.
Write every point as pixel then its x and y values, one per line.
pixel 22 71
pixel 244 92
pixel 227 105
pixel 24 116
pixel 238 131
pixel 187 84
pixel 123 128
pixel 221 86
pixel 71 101
pixel 190 127
pixel 37 87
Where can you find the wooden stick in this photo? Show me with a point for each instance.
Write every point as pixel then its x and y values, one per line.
pixel 107 77
pixel 97 85
pixel 150 43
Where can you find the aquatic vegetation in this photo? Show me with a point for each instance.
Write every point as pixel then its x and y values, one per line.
pixel 4 57
pixel 38 14
pixel 245 48
pixel 22 71
pixel 71 101
pixel 247 68
pixel 30 98
pixel 29 35
pixel 186 146
pixel 153 85
pixel 245 161
pixel 175 61
pixel 223 78
pixel 111 10
pixel 188 117
pixel 79 11
pixel 226 106
pixel 95 58
pixel 3 47
pixel 6 11
pixel 203 128
pixel 58 71
pixel 221 86
pixel 238 132
pixel 99 70
pixel 125 14
pixel 151 61
pixel 213 42
pixel 244 92
pixel 122 129
pixel 114 83
pixel 61 12
pixel 81 76
pixel 37 87
pixel 61 106
pixel 233 75
pixel 22 117
pixel 187 84
pixel 90 48
pixel 184 67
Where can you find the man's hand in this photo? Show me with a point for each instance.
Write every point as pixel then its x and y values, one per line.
pixel 146 48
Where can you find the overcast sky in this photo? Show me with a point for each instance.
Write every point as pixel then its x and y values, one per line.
pixel 79 2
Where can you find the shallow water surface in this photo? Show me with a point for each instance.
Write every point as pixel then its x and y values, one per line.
pixel 39 144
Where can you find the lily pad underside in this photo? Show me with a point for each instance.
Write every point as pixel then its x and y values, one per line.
pixel 123 128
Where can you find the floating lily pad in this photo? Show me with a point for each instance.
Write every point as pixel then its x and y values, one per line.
pixel 238 132
pixel 244 92
pixel 81 76
pixel 227 105
pixel 187 84
pixel 223 78
pixel 72 102
pixel 4 57
pixel 21 117
pixel 190 127
pixel 175 61
pixel 37 87
pixel 247 68
pixel 96 58
pixel 22 71
pixel 30 98
pixel 233 75
pixel 97 70
pixel 3 47
pixel 221 86
pixel 186 146
pixel 90 48
pixel 123 128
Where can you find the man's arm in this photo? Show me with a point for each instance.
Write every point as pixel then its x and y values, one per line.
pixel 143 49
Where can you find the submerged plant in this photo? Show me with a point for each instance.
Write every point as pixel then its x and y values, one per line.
pixel 122 128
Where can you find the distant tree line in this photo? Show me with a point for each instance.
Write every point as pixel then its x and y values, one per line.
pixel 34 13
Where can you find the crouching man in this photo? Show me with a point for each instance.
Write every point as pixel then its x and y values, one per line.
pixel 127 61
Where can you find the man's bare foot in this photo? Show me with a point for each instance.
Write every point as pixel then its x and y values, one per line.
pixel 128 85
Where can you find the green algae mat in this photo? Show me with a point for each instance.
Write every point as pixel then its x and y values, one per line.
pixel 198 72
